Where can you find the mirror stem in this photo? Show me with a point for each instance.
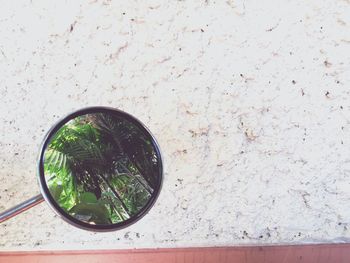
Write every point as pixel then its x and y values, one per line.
pixel 21 207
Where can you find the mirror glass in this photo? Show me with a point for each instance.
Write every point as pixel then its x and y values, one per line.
pixel 102 168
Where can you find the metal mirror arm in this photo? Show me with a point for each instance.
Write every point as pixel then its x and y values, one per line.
pixel 13 211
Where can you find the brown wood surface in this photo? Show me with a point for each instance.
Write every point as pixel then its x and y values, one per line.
pixel 339 253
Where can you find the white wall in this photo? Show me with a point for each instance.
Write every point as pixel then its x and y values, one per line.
pixel 249 101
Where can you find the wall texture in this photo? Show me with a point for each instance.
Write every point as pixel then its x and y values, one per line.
pixel 249 101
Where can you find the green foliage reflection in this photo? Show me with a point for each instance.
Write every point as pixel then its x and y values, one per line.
pixel 100 168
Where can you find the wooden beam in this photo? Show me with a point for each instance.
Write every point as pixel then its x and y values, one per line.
pixel 339 253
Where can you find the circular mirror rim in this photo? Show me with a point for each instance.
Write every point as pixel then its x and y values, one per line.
pixel 53 204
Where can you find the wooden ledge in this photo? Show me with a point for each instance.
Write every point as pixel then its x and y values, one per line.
pixel 339 253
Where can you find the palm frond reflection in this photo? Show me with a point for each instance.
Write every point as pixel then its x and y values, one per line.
pixel 101 169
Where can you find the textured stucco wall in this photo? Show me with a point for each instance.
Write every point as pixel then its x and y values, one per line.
pixel 249 101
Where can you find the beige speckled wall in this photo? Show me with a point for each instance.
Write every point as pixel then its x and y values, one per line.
pixel 249 101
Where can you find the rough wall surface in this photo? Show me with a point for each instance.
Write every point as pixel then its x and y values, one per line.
pixel 249 101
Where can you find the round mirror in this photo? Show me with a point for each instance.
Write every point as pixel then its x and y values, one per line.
pixel 100 169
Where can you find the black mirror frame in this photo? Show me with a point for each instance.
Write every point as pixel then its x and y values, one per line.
pixel 70 219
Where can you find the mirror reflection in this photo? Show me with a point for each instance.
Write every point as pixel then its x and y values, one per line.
pixel 101 168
